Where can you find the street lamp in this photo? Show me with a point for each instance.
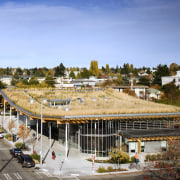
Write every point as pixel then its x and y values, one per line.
pixel 41 150
pixel 42 101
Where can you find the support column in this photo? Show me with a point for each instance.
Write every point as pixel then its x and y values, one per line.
pixel 66 140
pixel 49 125
pixel 95 138
pixel 120 142
pixel 139 146
pixel 4 113
pixel 10 113
pixel 18 119
pixel 37 129
pixel 26 121
pixel 79 139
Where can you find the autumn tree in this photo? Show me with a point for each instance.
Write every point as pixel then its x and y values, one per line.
pixel 94 68
pixel 11 125
pixel 23 132
pixel 173 68
pixel 107 70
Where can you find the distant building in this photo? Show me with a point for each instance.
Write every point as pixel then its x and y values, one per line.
pixel 153 93
pixel 6 79
pixel 168 79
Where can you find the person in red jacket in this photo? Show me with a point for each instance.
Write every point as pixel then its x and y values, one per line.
pixel 53 155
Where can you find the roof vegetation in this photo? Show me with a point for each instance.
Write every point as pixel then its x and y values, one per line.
pixel 84 102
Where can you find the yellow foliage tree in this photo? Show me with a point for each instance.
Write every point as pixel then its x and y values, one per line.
pixel 23 132
pixel 94 68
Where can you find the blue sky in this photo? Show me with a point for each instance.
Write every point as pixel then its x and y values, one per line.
pixel 44 33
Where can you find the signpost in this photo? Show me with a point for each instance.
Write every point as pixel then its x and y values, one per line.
pixel 93 158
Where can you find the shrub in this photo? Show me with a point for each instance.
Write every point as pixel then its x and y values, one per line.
pixel 36 156
pixel 133 159
pixel 148 157
pixel 110 169
pixel 8 136
pixel 119 156
pixel 2 130
pixel 101 169
pixel 153 157
pixel 20 145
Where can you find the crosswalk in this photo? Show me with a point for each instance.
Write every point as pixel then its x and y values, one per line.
pixel 19 176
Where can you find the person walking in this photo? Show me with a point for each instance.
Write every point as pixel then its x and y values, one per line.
pixel 136 158
pixel 53 155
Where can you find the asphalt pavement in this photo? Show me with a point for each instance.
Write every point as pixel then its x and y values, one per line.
pixel 76 163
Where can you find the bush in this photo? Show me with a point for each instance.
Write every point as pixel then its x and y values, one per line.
pixel 133 159
pixel 36 156
pixel 148 157
pixel 119 156
pixel 101 169
pixel 2 130
pixel 8 137
pixel 20 145
pixel 110 169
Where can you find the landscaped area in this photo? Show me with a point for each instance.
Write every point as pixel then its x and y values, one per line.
pixel 92 102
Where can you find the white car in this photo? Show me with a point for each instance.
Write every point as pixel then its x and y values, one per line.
pixel 1 136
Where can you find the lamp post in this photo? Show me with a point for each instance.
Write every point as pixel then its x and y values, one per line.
pixel 42 101
pixel 41 150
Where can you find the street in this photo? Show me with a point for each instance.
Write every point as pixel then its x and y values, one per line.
pixel 11 170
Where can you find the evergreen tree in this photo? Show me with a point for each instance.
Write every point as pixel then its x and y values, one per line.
pixel 162 70
pixel 50 81
pixel 72 75
pixel 59 71
pixel 2 85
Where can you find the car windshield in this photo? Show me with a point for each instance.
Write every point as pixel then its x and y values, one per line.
pixel 28 159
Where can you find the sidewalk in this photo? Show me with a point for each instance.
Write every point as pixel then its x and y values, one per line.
pixel 76 163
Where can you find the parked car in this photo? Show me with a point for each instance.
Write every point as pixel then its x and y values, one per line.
pixel 26 160
pixel 15 152
pixel 1 136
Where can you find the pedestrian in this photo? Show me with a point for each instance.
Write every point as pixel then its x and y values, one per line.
pixel 53 155
pixel 136 158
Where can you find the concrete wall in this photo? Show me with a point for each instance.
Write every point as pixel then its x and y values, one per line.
pixel 152 146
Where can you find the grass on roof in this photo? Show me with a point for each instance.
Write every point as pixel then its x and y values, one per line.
pixel 108 101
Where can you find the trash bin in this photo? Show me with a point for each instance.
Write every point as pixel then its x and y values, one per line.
pixel 14 137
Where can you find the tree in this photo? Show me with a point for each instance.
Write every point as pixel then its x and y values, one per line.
pixel 162 70
pixel 33 81
pixel 72 75
pixel 171 93
pixel 103 69
pixel 143 80
pixel 23 132
pixel 94 68
pixel 11 125
pixel 84 73
pixel 19 71
pixel 59 71
pixel 167 164
pixel 50 81
pixel 173 68
pixel 2 85
pixel 107 70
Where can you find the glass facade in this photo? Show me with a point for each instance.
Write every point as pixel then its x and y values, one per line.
pixel 99 136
